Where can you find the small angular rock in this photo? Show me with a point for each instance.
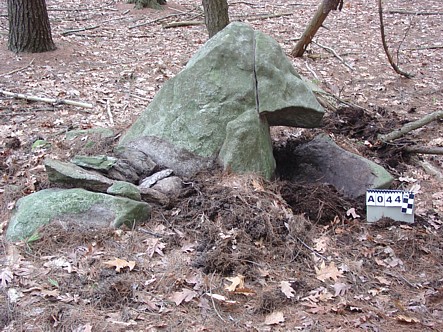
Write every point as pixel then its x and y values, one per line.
pixel 71 175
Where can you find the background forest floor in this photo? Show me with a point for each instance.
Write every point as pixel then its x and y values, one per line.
pixel 322 271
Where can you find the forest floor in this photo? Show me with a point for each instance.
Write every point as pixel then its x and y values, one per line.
pixel 235 253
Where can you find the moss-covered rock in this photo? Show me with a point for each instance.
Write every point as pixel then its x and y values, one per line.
pixel 88 209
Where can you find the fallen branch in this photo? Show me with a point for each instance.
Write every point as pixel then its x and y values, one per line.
pixel 262 17
pixel 330 50
pixel 182 24
pixel 411 126
pixel 46 100
pixel 424 149
pixel 385 45
pixel 19 69
pixel 70 32
pixel 157 20
pixel 407 12
pixel 436 47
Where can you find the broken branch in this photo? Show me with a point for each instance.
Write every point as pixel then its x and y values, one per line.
pixel 424 149
pixel 45 100
pixel 330 50
pixel 411 126
pixel 70 32
pixel 407 12
pixel 182 24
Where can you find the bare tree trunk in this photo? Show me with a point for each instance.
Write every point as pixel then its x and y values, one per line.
pixel 216 15
pixel 29 28
pixel 319 17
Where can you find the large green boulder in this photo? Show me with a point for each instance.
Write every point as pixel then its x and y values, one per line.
pixel 88 209
pixel 218 109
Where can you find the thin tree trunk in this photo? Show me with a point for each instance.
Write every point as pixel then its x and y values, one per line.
pixel 385 45
pixel 216 15
pixel 29 28
pixel 319 17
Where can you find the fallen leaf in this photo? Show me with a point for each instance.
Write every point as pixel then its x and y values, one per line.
pixel 321 244
pixel 188 247
pixel 328 272
pixel 340 288
pixel 407 319
pixel 155 246
pixel 120 264
pixel 5 277
pixel 238 281
pixel 274 318
pixel 383 281
pixel 50 293
pixel 286 288
pixel 221 298
pixel 353 213
pixel 315 308
pixel 245 291
pixel 185 295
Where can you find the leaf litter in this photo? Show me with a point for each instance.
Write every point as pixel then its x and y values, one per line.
pixel 308 261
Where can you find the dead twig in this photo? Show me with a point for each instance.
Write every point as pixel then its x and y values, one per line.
pixel 433 47
pixel 385 45
pixel 158 19
pixel 19 69
pixel 311 70
pixel 411 126
pixel 262 17
pixel 45 100
pixel 108 110
pixel 331 50
pixel 407 12
pixel 182 24
pixel 70 32
pixel 424 149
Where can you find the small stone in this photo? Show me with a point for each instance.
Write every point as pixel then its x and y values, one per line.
pixel 125 189
pixel 100 163
pixel 71 175
pixel 169 186
pixel 151 180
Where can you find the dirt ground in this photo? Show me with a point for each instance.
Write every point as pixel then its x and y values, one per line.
pixel 231 252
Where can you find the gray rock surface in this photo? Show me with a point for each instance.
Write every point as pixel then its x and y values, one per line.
pixel 220 107
pixel 88 209
pixel 152 179
pixel 99 163
pixel 151 195
pixel 169 186
pixel 132 165
pixel 125 189
pixel 71 175
pixel 323 161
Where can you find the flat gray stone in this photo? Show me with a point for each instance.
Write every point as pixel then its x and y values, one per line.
pixel 71 175
pixel 99 163
pixel 169 186
pixel 151 180
pixel 88 209
pixel 323 161
pixel 125 189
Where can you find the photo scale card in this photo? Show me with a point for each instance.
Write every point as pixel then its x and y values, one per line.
pixel 395 204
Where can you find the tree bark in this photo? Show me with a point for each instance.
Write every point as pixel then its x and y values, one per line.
pixel 216 15
pixel 319 17
pixel 29 28
pixel 155 4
